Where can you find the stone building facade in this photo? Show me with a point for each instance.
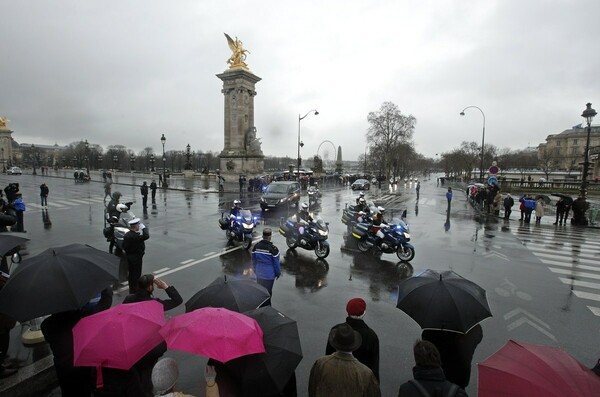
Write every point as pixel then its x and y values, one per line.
pixel 566 150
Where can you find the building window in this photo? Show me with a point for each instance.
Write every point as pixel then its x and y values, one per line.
pixel 557 143
pixel 574 151
pixel 574 142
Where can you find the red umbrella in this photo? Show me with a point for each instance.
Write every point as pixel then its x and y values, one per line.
pixel 217 333
pixel 525 370
pixel 118 337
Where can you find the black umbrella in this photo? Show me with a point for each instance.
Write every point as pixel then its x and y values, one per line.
pixel 58 279
pixel 268 373
pixel 236 295
pixel 568 199
pixel 443 301
pixel 8 242
pixel 544 198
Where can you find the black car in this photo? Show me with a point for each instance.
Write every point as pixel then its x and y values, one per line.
pixel 280 194
pixel 361 184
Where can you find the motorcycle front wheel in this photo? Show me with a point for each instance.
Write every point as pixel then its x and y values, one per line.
pixel 405 254
pixel 362 245
pixel 291 242
pixel 322 250
pixel 246 243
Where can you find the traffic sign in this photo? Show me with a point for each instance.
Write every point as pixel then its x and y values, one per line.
pixel 492 180
pixel 494 169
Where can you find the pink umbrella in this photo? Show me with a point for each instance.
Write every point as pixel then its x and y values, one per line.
pixel 526 370
pixel 212 332
pixel 118 337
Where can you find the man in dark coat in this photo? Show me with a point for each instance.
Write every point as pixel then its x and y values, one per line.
pixel 144 193
pixel 135 247
pixel 560 212
pixel 58 332
pixel 428 375
pixel 144 291
pixel 456 351
pixel 508 204
pixel 368 352
pixel 153 188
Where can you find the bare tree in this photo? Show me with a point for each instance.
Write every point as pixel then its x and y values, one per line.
pixel 388 127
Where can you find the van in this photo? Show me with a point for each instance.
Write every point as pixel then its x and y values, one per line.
pixel 280 194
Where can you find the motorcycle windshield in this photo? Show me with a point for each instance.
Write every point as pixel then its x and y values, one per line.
pixel 321 224
pixel 399 224
pixel 125 218
pixel 246 216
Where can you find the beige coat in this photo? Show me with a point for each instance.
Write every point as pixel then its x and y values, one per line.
pixel 341 374
pixel 539 208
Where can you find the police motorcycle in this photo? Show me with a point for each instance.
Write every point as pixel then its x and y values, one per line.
pixel 118 227
pixel 314 194
pixel 396 237
pixel 314 236
pixel 239 228
pixel 351 216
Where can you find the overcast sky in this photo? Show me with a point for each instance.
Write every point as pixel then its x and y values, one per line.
pixel 125 72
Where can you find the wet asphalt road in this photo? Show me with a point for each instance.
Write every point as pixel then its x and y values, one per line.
pixel 542 281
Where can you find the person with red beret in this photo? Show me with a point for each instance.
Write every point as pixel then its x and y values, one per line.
pixel 368 352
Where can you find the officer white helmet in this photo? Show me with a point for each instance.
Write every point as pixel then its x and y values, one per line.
pixel 304 207
pixel 380 209
pixel 237 203
pixel 361 194
pixel 121 208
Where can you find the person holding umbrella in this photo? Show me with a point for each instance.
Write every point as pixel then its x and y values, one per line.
pixel 456 351
pixel 428 375
pixel 560 211
pixel 368 352
pixel 135 247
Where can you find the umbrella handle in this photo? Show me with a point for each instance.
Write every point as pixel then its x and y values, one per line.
pixel 99 379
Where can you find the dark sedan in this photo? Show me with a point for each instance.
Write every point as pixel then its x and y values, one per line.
pixel 361 184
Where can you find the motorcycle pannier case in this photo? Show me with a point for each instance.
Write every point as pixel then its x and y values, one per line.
pixel 223 223
pixel 360 229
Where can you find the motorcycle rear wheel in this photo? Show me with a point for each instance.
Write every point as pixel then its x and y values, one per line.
pixel 405 254
pixel 291 242
pixel 362 245
pixel 322 250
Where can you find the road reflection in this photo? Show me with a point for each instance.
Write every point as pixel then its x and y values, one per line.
pixel 310 273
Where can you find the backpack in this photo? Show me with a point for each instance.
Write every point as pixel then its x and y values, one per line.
pixel 451 391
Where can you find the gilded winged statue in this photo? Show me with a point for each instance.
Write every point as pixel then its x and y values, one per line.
pixel 236 60
pixel 3 121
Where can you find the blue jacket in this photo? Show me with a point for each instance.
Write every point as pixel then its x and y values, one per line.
pixel 19 204
pixel 449 196
pixel 265 260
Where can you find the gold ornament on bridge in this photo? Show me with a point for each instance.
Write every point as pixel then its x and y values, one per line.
pixel 3 121
pixel 236 60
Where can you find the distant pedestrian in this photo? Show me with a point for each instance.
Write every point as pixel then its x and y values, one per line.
pixel 449 198
pixel 104 176
pixel 44 195
pixel 497 201
pixel 508 204
pixel 160 180
pixel 560 211
pixel 341 374
pixel 429 379
pixel 107 190
pixel 456 351
pixel 221 183
pixel 539 210
pixel 241 181
pixel 144 193
pixel 368 352
pixel 153 188
pixel 135 247
pixel 418 189
pixel 265 261
pixel 19 207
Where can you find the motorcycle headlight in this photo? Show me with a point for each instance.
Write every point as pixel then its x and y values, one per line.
pixel 406 235
pixel 323 232
pixel 248 225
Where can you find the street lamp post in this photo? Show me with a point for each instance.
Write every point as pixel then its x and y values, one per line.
pixel 300 143
pixel 3 165
pixel 33 159
pixel 115 161
pixel 152 162
pixel 482 139
pixel 87 157
pixel 100 158
pixel 188 154
pixel 132 160
pixel 163 140
pixel 588 114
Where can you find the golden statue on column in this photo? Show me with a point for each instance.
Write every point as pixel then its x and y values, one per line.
pixel 236 60
pixel 3 121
